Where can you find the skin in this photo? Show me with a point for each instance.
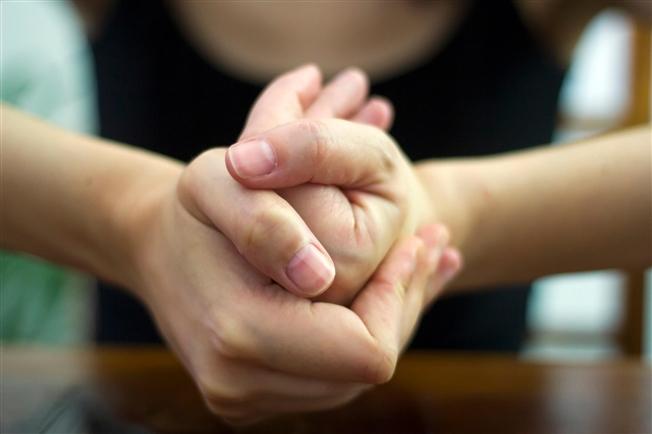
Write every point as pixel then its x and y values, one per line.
pixel 366 214
pixel 119 242
pixel 581 206
pixel 361 184
pixel 383 38
pixel 130 224
pixel 123 214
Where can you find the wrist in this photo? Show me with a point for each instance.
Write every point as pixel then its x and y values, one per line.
pixel 134 206
pixel 451 189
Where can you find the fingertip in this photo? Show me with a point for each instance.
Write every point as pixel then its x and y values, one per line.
pixel 314 72
pixel 310 69
pixel 385 111
pixel 310 79
pixel 450 264
pixel 354 73
pixel 377 112
pixel 284 99
pixel 253 158
pixel 353 85
pixel 231 169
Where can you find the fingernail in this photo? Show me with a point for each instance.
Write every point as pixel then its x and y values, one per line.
pixel 310 270
pixel 252 158
pixel 451 268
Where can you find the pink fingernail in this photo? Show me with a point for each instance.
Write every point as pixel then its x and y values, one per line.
pixel 452 264
pixel 310 270
pixel 252 158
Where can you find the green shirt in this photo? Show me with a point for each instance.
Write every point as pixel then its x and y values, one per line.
pixel 45 69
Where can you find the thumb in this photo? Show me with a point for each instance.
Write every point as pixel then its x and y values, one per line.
pixel 329 152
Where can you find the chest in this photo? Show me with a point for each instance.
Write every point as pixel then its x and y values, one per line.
pixel 258 40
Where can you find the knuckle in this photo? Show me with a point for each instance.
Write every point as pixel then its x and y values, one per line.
pixel 368 235
pixel 312 128
pixel 208 158
pixel 384 150
pixel 387 156
pixel 197 173
pixel 229 339
pixel 266 221
pixel 388 288
pixel 190 180
pixel 319 140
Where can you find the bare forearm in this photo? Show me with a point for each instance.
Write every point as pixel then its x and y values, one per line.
pixel 555 209
pixel 67 197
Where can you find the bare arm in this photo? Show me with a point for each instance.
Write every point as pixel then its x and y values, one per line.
pixel 556 209
pixel 59 193
pixel 117 212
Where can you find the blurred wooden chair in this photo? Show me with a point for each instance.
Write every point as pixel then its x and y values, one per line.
pixel 631 333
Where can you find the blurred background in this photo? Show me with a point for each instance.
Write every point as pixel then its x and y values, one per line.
pixel 598 314
pixel 604 314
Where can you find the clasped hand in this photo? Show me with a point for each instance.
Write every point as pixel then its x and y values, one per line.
pixel 289 270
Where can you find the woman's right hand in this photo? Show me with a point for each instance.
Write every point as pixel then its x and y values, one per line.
pixel 254 349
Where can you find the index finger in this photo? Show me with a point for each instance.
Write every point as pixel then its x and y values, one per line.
pixel 285 99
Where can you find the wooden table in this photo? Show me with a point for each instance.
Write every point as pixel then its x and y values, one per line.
pixel 145 390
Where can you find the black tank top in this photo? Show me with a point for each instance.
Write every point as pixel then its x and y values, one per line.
pixel 490 89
